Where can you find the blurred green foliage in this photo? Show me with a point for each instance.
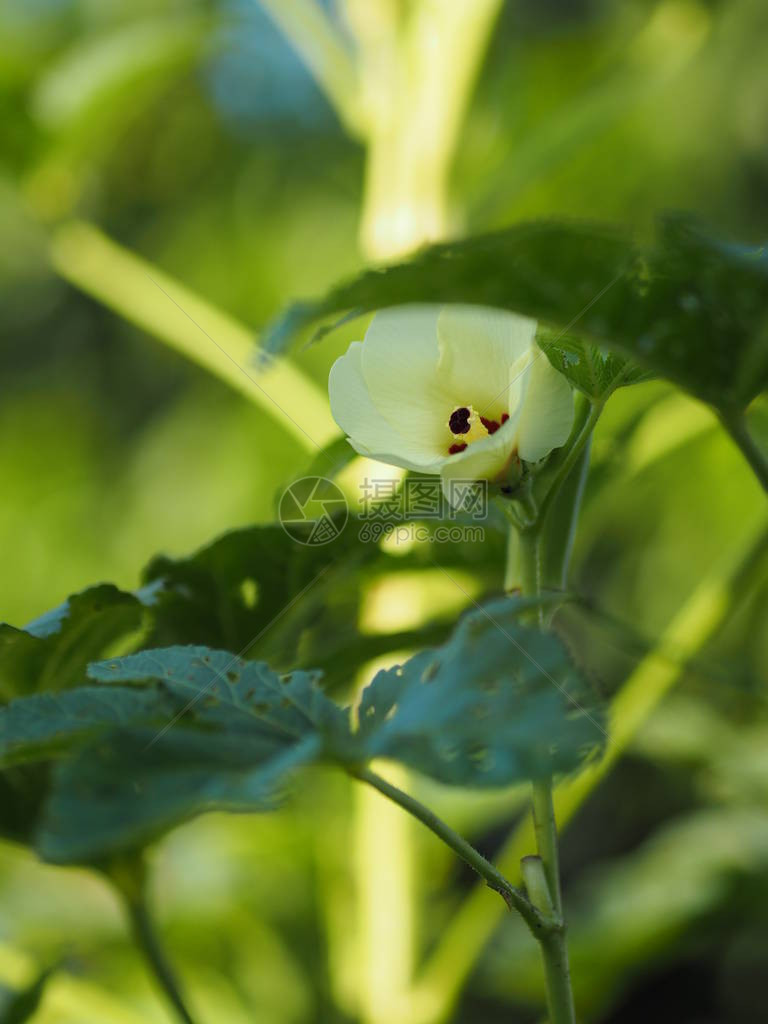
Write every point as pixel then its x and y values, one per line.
pixel 195 138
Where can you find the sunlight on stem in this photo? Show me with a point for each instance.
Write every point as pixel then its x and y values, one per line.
pixel 416 80
pixel 384 875
pixel 152 300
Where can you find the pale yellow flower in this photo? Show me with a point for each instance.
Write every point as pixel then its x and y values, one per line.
pixel 459 391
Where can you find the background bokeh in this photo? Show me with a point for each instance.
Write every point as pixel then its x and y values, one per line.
pixel 171 174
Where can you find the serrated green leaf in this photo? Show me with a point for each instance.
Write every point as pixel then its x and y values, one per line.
pixel 46 724
pixel 252 727
pixel 592 370
pixel 688 307
pixel 228 692
pixel 498 703
pixel 52 652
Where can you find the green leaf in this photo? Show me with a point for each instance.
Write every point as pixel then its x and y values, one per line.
pixel 252 727
pixel 498 703
pixel 594 372
pixel 687 306
pixel 253 584
pixel 258 592
pixel 23 791
pixel 253 590
pixel 129 788
pixel 229 692
pixel 46 724
pixel 52 652
pixel 556 268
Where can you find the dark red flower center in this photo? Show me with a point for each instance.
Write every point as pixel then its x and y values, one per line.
pixel 493 425
pixel 459 421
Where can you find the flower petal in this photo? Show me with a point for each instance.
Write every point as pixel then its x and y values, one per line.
pixel 477 347
pixel 547 411
pixel 399 364
pixel 518 378
pixel 369 432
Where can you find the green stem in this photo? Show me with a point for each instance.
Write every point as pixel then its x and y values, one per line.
pixel 529 562
pixel 554 953
pixel 736 425
pixel 546 838
pixel 128 876
pixel 554 950
pixel 144 295
pixel 148 942
pixel 570 455
pixel 558 530
pixel 538 923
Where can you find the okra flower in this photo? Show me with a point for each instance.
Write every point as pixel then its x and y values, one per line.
pixel 459 391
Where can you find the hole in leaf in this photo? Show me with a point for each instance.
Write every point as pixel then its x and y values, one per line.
pixel 249 591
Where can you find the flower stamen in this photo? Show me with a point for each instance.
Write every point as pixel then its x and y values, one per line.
pixel 467 425
pixel 459 420
pixel 493 425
